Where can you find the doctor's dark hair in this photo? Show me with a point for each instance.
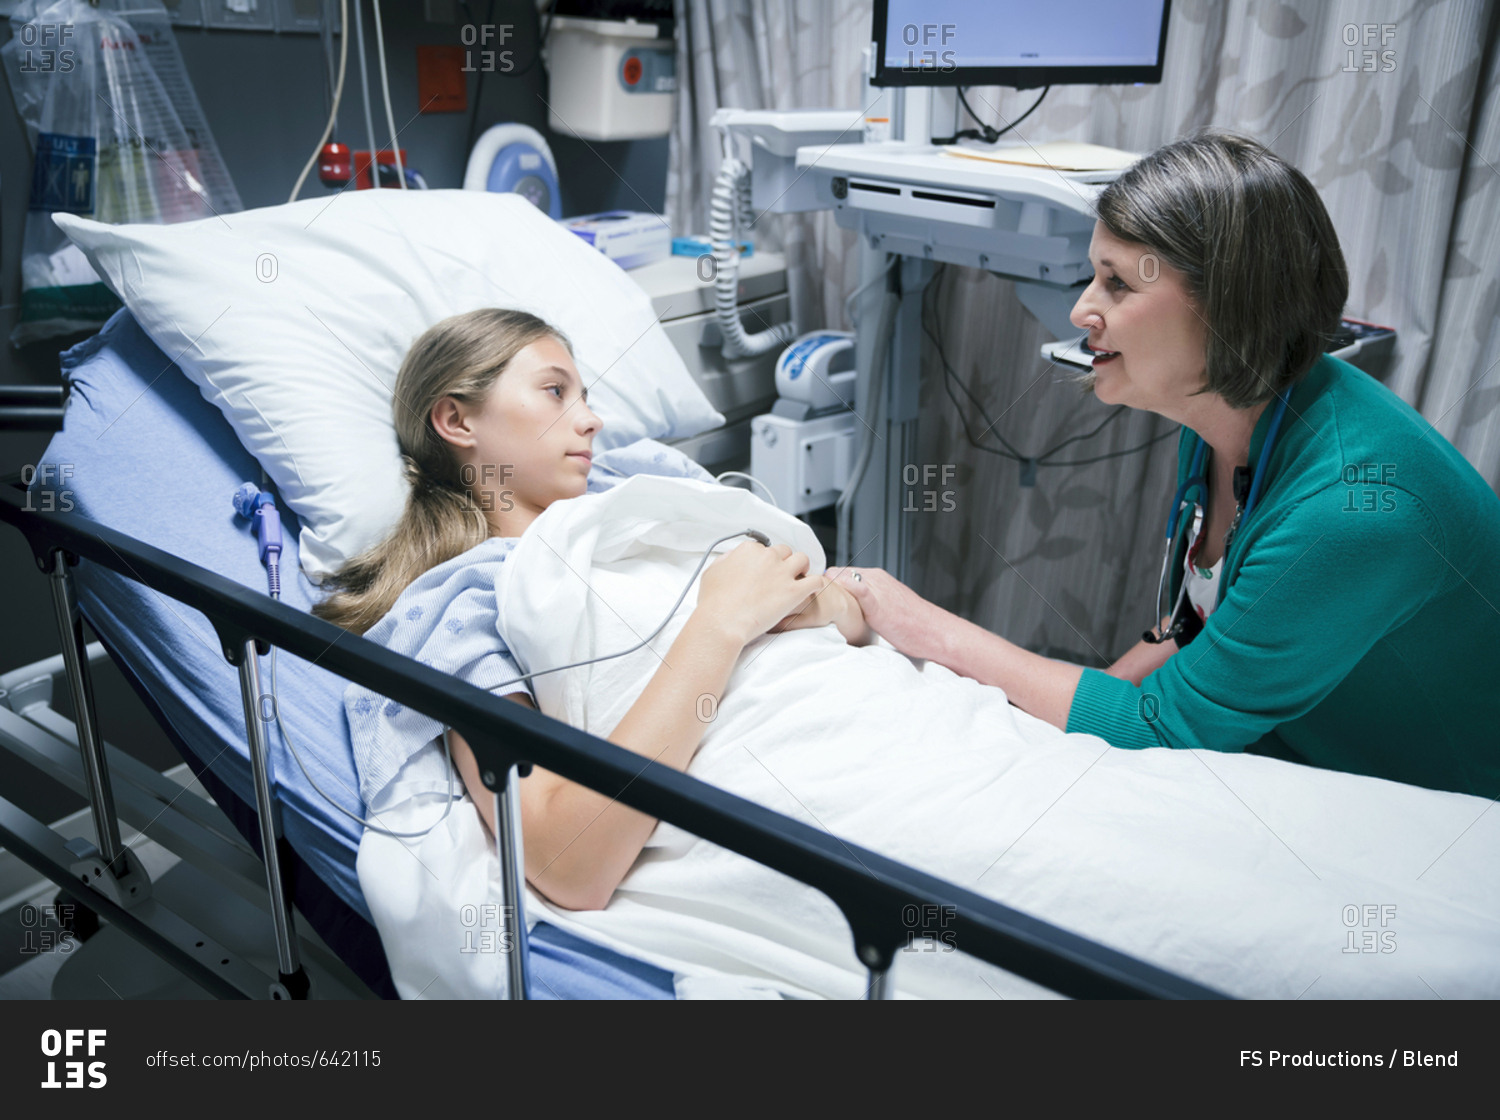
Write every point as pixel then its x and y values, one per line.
pixel 460 357
pixel 1258 253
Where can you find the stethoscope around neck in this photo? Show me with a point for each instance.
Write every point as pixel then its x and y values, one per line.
pixel 1246 493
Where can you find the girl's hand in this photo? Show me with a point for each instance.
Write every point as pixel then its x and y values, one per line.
pixel 893 610
pixel 750 588
pixel 829 603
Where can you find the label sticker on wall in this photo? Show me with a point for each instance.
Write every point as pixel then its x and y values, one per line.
pixel 63 176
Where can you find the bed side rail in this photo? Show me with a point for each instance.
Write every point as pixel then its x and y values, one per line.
pixel 873 892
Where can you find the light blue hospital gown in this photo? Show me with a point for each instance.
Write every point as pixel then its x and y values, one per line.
pixel 447 619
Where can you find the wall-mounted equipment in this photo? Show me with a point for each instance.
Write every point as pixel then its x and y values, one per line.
pixel 611 79
pixel 515 158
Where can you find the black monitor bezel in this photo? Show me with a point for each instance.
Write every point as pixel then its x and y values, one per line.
pixel 1014 77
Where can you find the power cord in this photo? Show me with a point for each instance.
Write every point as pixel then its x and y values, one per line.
pixel 987 133
pixel 752 480
pixel 542 31
pixel 489 18
pixel 1010 451
pixel 296 754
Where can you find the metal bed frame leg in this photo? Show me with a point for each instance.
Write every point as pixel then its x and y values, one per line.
pixel 878 963
pixel 127 882
pixel 513 879
pixel 294 982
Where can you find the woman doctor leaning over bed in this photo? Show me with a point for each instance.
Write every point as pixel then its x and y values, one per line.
pixel 494 425
pixel 1342 602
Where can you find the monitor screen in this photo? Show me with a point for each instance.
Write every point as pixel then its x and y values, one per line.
pixel 1020 43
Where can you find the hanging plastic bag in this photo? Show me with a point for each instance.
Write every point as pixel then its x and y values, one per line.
pixel 117 135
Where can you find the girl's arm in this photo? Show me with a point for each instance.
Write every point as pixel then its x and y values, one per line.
pixel 580 844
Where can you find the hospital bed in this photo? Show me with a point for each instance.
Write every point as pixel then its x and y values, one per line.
pixel 148 551
pixel 113 473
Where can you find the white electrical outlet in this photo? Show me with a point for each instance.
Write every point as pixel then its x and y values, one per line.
pixel 239 15
pixel 185 13
pixel 304 15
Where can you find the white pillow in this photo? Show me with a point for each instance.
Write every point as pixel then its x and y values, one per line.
pixel 293 320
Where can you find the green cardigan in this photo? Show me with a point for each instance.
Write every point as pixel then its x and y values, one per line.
pixel 1358 625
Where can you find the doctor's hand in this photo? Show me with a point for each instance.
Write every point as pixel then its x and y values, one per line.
pixel 831 602
pixel 750 588
pixel 893 610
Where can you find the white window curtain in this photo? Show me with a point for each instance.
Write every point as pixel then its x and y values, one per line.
pixel 767 54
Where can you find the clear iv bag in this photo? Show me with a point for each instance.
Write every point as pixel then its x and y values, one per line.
pixel 117 135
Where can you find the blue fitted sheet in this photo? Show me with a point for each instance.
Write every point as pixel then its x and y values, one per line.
pixel 142 452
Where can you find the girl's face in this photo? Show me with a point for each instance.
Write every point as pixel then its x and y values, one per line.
pixel 530 442
pixel 1138 307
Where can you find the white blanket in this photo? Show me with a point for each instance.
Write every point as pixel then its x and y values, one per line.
pixel 1251 875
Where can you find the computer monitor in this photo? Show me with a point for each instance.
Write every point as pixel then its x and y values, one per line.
pixel 1023 44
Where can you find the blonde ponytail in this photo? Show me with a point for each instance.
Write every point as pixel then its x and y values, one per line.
pixel 459 357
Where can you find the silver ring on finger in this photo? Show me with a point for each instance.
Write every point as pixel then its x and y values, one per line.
pixel 858 578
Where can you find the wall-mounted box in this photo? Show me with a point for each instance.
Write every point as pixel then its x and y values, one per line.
pixel 240 15
pixel 285 16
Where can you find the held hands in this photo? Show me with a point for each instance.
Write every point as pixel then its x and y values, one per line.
pixel 893 610
pixel 751 588
pixel 829 603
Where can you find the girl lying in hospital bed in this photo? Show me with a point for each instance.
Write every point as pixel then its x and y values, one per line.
pixel 486 454
pixel 1237 871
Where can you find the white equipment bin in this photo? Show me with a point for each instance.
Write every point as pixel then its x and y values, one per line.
pixel 682 295
pixel 804 463
pixel 611 79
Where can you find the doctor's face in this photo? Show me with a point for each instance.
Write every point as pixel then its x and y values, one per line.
pixel 1138 308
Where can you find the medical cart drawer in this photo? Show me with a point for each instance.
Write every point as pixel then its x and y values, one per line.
pixel 737 387
pixel 683 286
